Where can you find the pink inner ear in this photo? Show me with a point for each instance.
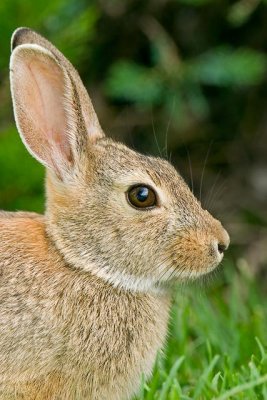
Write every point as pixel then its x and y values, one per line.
pixel 40 91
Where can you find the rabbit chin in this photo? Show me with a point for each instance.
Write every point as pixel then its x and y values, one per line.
pixel 137 283
pixel 124 280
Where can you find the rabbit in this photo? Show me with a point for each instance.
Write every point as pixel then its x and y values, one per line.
pixel 85 289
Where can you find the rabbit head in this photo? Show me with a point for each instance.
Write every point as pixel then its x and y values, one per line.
pixel 128 218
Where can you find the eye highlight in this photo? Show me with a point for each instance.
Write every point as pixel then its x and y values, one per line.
pixel 141 197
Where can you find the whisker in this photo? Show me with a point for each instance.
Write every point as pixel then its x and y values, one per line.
pixel 167 130
pixel 218 192
pixel 190 170
pixel 204 167
pixel 166 139
pixel 212 189
pixel 189 163
pixel 154 133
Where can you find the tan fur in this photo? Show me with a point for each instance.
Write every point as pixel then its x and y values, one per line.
pixel 84 289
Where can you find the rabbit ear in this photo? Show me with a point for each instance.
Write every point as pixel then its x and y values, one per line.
pixel 53 112
pixel 27 36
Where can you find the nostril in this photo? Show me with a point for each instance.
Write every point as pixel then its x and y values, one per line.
pixel 221 248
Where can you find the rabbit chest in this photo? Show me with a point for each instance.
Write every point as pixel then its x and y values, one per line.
pixel 111 338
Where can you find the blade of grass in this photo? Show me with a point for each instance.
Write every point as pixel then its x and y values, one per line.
pixel 171 376
pixel 242 388
pixel 204 376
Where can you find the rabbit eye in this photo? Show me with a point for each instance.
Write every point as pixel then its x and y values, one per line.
pixel 141 197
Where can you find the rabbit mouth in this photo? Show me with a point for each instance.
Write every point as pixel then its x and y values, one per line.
pixel 187 273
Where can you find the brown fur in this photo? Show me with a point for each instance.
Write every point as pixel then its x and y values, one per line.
pixel 54 336
pixel 84 289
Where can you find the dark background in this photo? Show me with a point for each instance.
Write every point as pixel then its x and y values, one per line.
pixel 186 79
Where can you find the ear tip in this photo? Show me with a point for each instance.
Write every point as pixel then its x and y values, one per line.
pixel 20 36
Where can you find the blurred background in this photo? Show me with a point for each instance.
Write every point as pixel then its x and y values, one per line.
pixel 184 79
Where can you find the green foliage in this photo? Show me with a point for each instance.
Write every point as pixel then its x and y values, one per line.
pixel 229 67
pixel 171 78
pixel 217 345
pixel 133 82
pixel 21 183
pixel 195 3
pixel 223 66
pixel 240 12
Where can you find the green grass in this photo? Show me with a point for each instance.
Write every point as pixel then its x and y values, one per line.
pixel 217 343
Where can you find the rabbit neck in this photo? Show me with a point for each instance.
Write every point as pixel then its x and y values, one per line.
pixel 109 274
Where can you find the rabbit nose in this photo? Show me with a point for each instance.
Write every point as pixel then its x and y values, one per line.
pixel 222 247
pixel 223 242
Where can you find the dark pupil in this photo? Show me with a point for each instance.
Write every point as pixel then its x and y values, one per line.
pixel 142 194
